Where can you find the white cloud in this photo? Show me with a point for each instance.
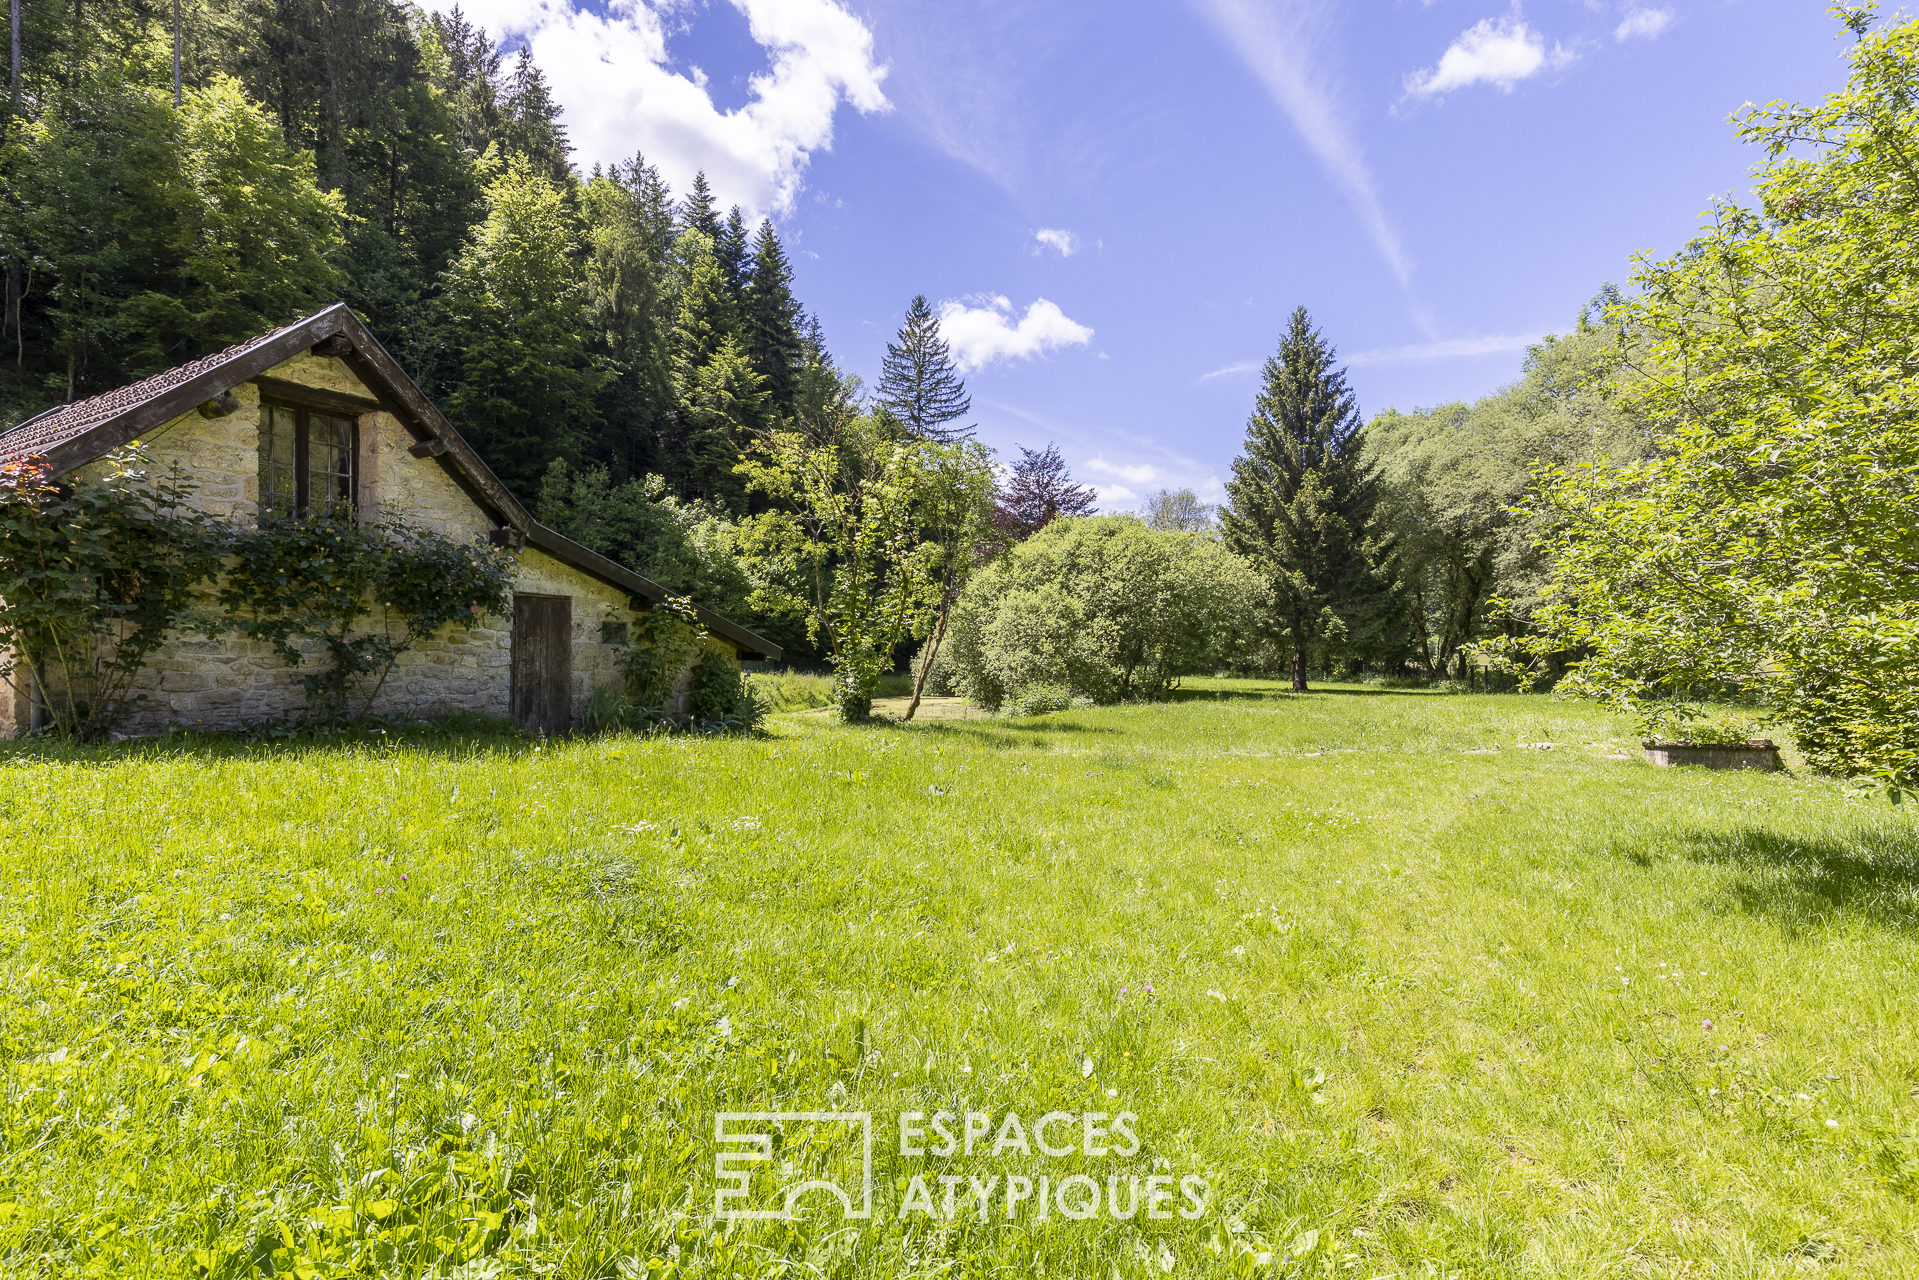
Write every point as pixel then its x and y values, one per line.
pixel 1643 23
pixel 1065 241
pixel 1500 53
pixel 1450 349
pixel 1280 42
pixel 1227 371
pixel 983 334
pixel 1144 473
pixel 614 75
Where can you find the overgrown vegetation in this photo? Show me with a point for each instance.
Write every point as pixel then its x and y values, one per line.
pixel 307 582
pixel 95 576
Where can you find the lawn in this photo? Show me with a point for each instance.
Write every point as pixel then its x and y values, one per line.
pixel 1408 991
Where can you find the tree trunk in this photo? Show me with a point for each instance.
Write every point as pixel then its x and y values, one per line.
pixel 1299 668
pixel 926 663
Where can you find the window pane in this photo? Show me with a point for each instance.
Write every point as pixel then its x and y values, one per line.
pixel 329 461
pixel 278 428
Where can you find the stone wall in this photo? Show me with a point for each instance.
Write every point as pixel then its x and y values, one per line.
pixel 229 681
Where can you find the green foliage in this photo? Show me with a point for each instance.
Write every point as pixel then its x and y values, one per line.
pixel 95 574
pixel 665 639
pixel 1039 699
pixel 1302 508
pixel 157 236
pixel 686 547
pixel 1770 545
pixel 513 324
pixel 1454 479
pixel 919 384
pixel 628 221
pixel 305 582
pixel 848 548
pixel 719 692
pixel 1103 607
pixel 1699 724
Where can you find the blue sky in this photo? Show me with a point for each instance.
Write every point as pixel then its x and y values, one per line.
pixel 1118 204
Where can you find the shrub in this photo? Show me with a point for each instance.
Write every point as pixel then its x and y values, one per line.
pixel 1104 607
pixel 1042 699
pixel 666 638
pixel 94 575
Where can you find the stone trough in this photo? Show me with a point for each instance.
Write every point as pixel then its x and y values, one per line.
pixel 1758 754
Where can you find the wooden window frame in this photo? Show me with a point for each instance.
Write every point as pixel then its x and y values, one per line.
pixel 303 413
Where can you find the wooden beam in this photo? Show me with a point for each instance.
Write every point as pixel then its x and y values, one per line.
pixel 339 345
pixel 317 397
pixel 429 448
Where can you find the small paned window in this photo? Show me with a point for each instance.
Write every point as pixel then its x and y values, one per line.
pixel 306 458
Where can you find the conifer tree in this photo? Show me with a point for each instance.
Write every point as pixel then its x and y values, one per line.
pixel 771 320
pixel 696 212
pixel 919 384
pixel 628 220
pixel 1038 492
pixel 513 321
pixel 719 393
pixel 530 121
pixel 733 253
pixel 1301 504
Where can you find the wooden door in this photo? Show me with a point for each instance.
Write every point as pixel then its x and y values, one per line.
pixel 542 696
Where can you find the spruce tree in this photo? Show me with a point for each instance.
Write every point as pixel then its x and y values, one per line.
pixel 530 122
pixel 1038 492
pixel 732 252
pixel 770 321
pixel 919 384
pixel 1301 504
pixel 696 212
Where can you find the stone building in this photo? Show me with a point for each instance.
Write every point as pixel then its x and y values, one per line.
pixel 319 407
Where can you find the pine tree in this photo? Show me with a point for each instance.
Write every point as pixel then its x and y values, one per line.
pixel 919 384
pixel 1301 504
pixel 696 213
pixel 1039 492
pixel 770 321
pixel 733 252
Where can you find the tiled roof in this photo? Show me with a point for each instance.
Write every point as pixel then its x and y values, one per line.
pixel 65 422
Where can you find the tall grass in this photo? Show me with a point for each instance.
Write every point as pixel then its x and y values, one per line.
pixel 1416 993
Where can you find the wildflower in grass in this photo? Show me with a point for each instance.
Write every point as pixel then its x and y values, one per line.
pixel 1706 1024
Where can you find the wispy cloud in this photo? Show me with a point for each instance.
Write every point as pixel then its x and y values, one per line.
pixel 1643 24
pixel 1227 371
pixel 1281 43
pixel 611 70
pixel 982 334
pixel 1065 242
pixel 1449 349
pixel 1143 473
pixel 1497 52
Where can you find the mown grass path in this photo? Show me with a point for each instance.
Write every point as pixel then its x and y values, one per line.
pixel 1413 998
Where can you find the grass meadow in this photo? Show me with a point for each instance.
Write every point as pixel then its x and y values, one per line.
pixel 1413 994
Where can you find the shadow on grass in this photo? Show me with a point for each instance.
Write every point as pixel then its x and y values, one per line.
pixel 1802 881
pixel 461 737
